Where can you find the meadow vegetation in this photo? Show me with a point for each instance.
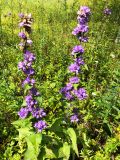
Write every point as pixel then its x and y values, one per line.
pixel 97 134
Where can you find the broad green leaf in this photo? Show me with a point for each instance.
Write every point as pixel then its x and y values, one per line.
pixel 64 151
pixel 22 123
pixel 49 153
pixel 56 125
pixel 23 132
pixel 73 138
pixel 33 143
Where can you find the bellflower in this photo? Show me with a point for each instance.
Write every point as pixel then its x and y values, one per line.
pixel 26 66
pixel 80 29
pixel 23 113
pixel 79 61
pixel 38 113
pixel 84 11
pixel 28 81
pixel 73 91
pixel 74 118
pixel 22 35
pixel 80 93
pixel 30 57
pixel 74 80
pixel 40 125
pixel 74 68
pixel 21 24
pixel 68 96
pixel 83 39
pixel 77 49
pixel 34 92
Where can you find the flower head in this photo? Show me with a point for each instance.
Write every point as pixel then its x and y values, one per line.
pixel 74 68
pixel 22 35
pixel 74 118
pixel 38 112
pixel 80 93
pixel 29 56
pixel 40 125
pixel 74 80
pixel 79 61
pixel 84 11
pixel 77 49
pixel 23 113
pixel 68 96
pixel 80 29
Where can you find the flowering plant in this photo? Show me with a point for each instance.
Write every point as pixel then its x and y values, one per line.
pixel 72 90
pixel 31 104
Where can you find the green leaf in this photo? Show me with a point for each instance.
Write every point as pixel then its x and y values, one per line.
pixel 73 138
pixel 33 142
pixel 23 132
pixel 22 123
pixel 64 151
pixel 56 125
pixel 24 103
pixel 86 67
pixel 26 88
pixel 52 85
pixel 49 153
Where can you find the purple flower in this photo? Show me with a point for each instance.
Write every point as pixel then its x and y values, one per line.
pixel 29 56
pixel 30 101
pixel 77 49
pixel 23 113
pixel 40 125
pixel 21 15
pixel 74 80
pixel 79 61
pixel 63 90
pixel 38 113
pixel 107 11
pixel 28 81
pixel 34 92
pixel 80 29
pixel 21 65
pixel 68 96
pixel 83 39
pixel 21 24
pixel 22 35
pixel 32 81
pixel 68 87
pixel 82 20
pixel 28 98
pixel 74 68
pixel 74 118
pixel 29 71
pixel 84 11
pixel 80 93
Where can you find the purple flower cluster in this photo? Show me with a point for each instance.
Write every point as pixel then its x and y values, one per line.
pixel 74 118
pixel 25 66
pixel 72 89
